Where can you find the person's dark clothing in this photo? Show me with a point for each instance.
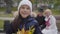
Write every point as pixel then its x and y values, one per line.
pixel 41 21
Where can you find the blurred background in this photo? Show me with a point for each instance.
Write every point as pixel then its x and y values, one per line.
pixel 8 7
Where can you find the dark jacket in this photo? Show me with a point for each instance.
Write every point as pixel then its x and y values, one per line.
pixel 41 21
pixel 28 22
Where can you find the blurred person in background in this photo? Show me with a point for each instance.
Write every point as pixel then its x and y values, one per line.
pixel 41 18
pixel 51 27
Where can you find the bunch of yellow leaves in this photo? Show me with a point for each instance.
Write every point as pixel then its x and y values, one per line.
pixel 30 31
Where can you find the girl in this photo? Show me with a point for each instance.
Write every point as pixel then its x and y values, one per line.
pixel 24 23
pixel 51 27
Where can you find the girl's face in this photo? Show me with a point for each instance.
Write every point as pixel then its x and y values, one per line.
pixel 24 11
pixel 47 14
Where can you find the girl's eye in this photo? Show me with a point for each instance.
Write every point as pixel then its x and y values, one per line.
pixel 28 8
pixel 23 7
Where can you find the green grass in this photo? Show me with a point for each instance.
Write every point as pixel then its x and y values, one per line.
pixel 14 8
pixel 6 15
pixel 56 12
pixel 4 9
pixel 1 24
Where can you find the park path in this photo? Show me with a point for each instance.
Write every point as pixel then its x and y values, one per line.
pixel 6 18
pixel 11 18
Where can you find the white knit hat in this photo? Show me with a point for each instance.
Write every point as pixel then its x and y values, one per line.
pixel 25 2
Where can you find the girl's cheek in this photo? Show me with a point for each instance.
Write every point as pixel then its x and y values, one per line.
pixel 20 12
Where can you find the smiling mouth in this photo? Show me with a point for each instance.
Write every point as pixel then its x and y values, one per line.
pixel 24 13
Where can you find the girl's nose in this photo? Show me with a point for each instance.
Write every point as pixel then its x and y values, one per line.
pixel 25 10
